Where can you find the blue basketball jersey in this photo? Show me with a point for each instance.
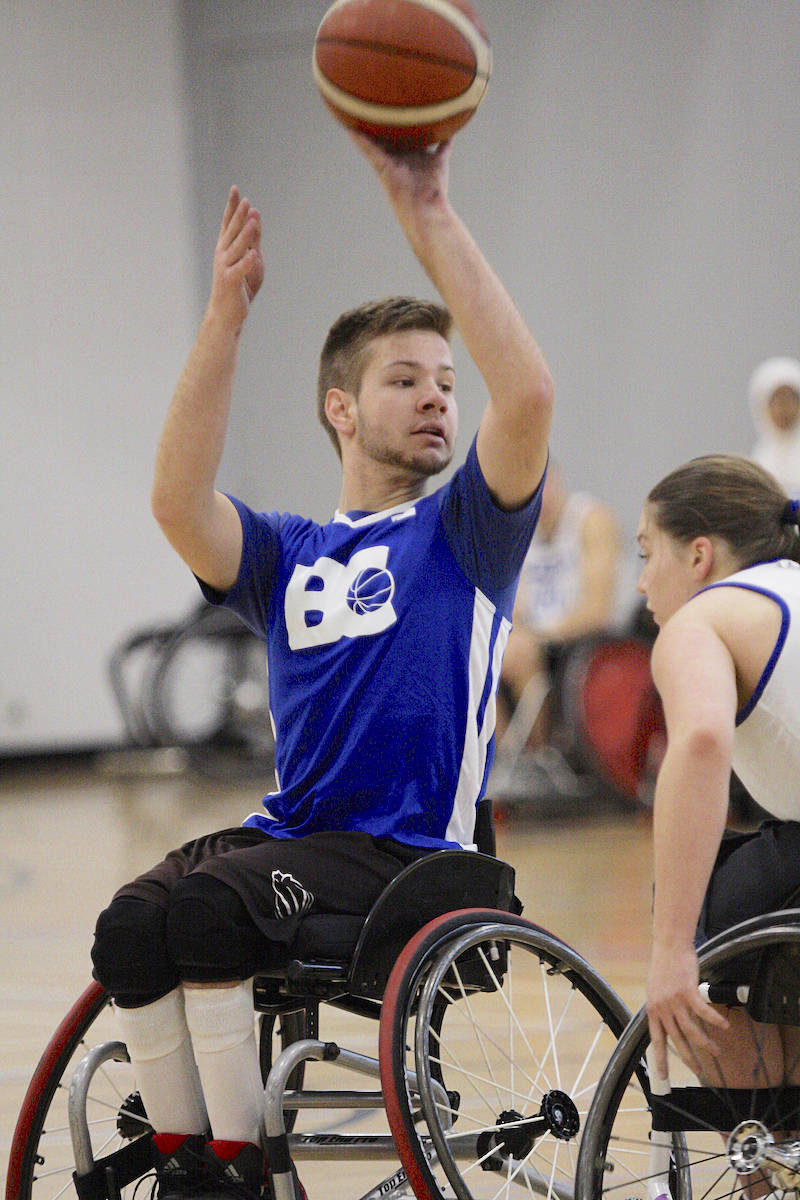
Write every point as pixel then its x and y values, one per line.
pixel 385 634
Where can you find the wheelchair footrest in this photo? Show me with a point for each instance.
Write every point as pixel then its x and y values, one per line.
pixel 699 1109
pixel 110 1175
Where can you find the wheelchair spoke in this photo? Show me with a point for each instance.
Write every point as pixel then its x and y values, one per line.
pixel 503 1020
pixel 476 1029
pixel 65 1189
pixel 728 1126
pixel 47 1155
pixel 503 1093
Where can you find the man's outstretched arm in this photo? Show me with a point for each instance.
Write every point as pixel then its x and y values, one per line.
pixel 514 430
pixel 200 522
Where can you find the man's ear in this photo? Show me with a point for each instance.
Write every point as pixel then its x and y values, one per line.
pixel 340 411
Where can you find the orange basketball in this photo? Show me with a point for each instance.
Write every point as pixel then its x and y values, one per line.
pixel 407 72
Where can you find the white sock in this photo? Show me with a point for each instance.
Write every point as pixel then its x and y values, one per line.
pixel 222 1026
pixel 160 1051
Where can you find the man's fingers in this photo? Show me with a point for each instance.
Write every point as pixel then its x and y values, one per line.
pixel 236 216
pixel 237 251
pixel 230 208
pixel 246 226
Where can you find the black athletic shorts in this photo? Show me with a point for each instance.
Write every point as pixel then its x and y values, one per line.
pixel 754 873
pixel 279 880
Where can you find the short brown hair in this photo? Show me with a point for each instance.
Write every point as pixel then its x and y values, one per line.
pixel 732 498
pixel 341 362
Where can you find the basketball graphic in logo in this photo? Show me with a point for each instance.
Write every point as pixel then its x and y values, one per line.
pixel 370 590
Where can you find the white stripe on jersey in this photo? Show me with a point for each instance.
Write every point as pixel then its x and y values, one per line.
pixel 490 713
pixel 461 825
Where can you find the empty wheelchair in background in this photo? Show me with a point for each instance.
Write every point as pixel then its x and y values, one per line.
pixel 611 706
pixel 199 684
pixel 608 731
pixel 490 1034
pixel 736 1131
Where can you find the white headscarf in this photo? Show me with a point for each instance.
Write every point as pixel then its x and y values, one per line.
pixel 776 450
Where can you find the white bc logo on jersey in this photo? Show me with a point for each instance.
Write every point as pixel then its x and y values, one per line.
pixel 332 600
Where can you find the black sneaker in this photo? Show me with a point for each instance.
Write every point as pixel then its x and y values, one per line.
pixel 180 1169
pixel 235 1169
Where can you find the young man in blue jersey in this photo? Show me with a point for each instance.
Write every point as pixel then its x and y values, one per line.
pixel 385 631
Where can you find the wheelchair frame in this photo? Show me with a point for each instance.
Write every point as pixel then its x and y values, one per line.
pixel 710 1137
pixel 491 1036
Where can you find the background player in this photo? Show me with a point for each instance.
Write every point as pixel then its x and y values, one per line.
pixel 568 589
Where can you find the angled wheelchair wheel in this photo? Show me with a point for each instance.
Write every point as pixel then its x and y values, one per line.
pixel 493 1036
pixel 718 1130
pixel 209 681
pixel 110 1122
pixel 613 710
pixel 42 1158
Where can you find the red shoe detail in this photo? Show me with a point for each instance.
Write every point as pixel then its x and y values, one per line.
pixel 168 1143
pixel 227 1150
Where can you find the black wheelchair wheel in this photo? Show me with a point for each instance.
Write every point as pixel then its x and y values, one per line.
pixel 493 1036
pixel 719 1130
pixel 42 1158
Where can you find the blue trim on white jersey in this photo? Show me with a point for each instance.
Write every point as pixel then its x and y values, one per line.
pixel 746 709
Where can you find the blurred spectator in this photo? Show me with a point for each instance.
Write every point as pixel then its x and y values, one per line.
pixel 567 589
pixel 774 394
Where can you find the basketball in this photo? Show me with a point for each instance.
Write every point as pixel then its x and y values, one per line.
pixel 409 73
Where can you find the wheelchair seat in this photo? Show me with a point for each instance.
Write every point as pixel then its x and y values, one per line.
pixel 334 953
pixel 348 952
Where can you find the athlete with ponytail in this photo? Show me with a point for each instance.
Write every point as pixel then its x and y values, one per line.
pixel 721 575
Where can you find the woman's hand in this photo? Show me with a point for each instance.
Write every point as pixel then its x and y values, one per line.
pixel 676 1010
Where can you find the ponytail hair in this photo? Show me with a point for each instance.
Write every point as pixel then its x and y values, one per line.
pixel 731 498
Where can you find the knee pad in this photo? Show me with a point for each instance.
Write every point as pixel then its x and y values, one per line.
pixel 210 934
pixel 130 952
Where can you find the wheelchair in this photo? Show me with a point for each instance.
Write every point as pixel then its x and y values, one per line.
pixel 726 1134
pixel 491 1035
pixel 199 684
pixel 608 725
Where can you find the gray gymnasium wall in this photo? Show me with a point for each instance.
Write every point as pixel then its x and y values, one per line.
pixel 633 174
pixel 97 305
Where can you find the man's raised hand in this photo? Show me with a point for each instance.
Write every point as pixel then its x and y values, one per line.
pixel 238 261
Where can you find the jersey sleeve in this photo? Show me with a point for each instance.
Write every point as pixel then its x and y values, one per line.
pixel 489 542
pixel 250 595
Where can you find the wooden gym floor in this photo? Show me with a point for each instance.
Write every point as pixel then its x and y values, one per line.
pixel 71 835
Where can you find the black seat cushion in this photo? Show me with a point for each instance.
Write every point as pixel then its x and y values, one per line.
pixel 327 937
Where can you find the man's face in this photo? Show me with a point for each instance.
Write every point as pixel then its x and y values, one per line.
pixel 405 411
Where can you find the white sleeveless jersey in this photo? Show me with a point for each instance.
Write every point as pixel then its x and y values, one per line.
pixel 767 742
pixel 550 582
